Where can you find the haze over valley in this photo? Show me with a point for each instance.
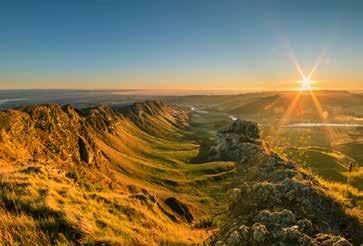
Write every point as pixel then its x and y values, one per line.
pixel 149 159
pixel 194 122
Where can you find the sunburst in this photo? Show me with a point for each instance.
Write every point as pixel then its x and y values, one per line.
pixel 306 84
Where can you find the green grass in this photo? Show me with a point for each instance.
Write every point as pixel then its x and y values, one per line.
pixel 123 202
pixel 328 164
pixel 353 149
pixel 323 164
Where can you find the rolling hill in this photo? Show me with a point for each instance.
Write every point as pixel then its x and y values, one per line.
pixel 153 173
pixel 269 107
pixel 105 176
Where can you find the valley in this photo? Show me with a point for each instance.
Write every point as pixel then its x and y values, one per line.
pixel 116 192
pixel 292 125
pixel 181 123
pixel 142 173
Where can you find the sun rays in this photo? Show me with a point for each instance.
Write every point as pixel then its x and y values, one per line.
pixel 306 88
pixel 305 84
pixel 285 118
pixel 332 135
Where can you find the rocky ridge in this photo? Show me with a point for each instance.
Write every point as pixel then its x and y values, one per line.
pixel 153 116
pixel 69 139
pixel 43 133
pixel 96 176
pixel 277 203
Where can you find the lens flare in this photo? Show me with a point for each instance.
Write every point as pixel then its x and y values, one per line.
pixel 306 84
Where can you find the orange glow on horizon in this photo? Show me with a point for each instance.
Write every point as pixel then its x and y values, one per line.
pixel 306 85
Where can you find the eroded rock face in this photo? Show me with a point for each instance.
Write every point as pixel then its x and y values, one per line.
pixel 238 142
pixel 242 127
pixel 85 151
pixel 277 204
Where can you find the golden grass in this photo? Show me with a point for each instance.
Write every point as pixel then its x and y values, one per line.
pixel 20 228
pixel 345 194
pixel 121 202
pixel 98 216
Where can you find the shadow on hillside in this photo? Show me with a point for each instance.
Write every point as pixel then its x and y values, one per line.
pixel 202 156
pixel 51 222
pixel 204 141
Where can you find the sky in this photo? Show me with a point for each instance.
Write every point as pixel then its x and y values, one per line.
pixel 180 44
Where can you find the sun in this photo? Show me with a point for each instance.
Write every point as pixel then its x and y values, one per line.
pixel 306 84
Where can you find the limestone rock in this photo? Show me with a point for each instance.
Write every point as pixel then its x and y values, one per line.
pixel 277 204
pixel 243 127
pixel 238 142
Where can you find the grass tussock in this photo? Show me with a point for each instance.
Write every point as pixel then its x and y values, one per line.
pixel 41 210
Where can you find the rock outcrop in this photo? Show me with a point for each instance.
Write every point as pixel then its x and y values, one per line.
pixel 65 135
pixel 238 142
pixel 85 151
pixel 45 133
pixel 277 203
pixel 58 164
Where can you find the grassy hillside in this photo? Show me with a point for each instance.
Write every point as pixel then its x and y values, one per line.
pixel 353 149
pixel 332 167
pixel 101 177
pixel 138 174
pixel 311 148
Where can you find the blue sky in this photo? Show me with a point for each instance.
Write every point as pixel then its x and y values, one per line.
pixel 232 44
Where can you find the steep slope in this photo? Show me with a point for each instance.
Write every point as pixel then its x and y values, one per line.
pixel 333 169
pixel 104 176
pixel 155 118
pixel 328 164
pixel 277 203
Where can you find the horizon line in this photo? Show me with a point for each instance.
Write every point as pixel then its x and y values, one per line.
pixel 180 90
